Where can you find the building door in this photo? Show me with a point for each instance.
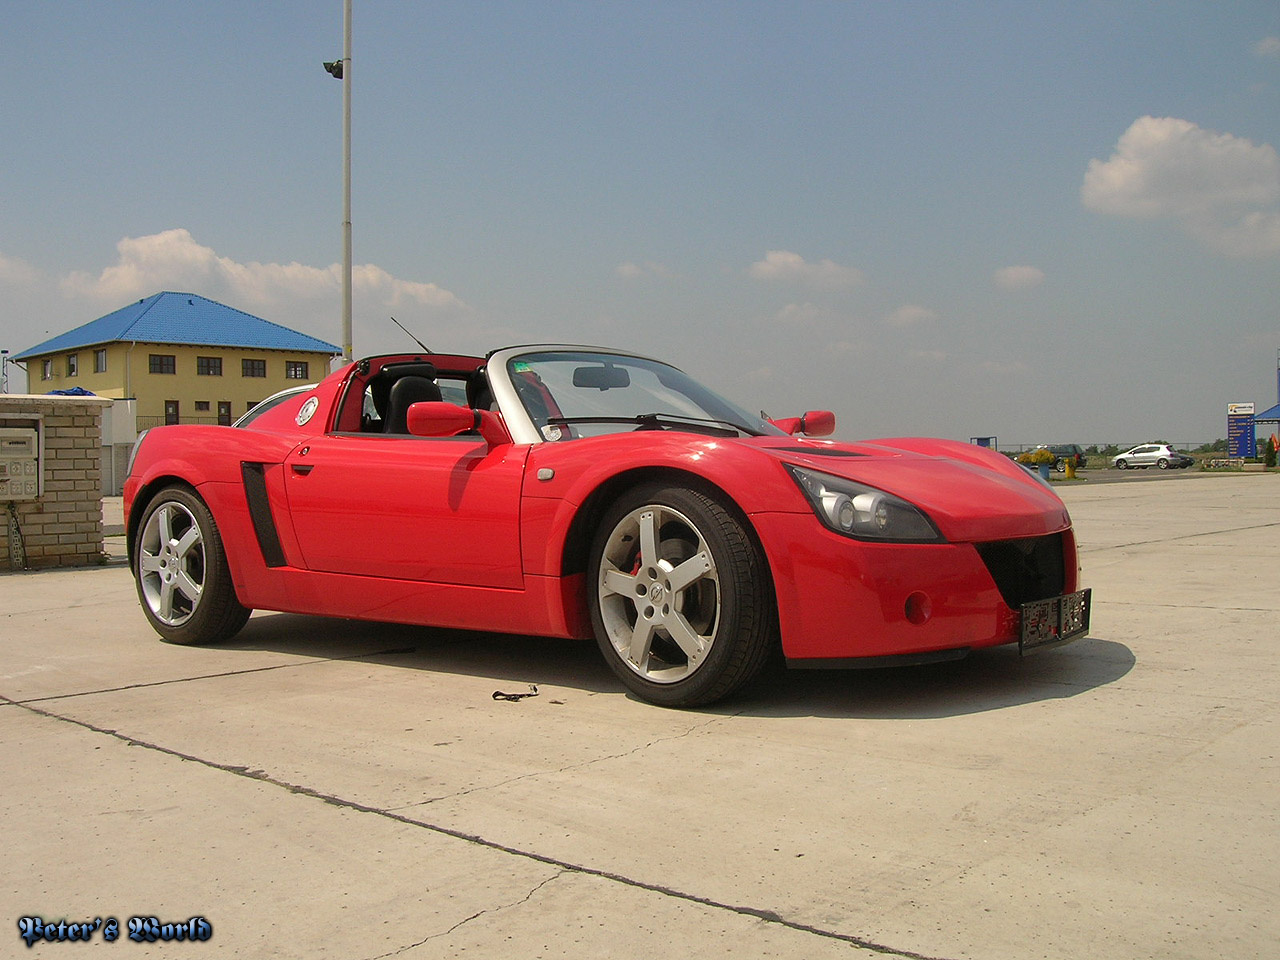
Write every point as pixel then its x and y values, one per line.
pixel 224 412
pixel 170 412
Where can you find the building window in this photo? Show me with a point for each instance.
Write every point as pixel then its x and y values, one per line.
pixel 253 368
pixel 209 366
pixel 202 406
pixel 46 370
pixel 250 405
pixel 295 369
pixel 162 363
pixel 100 361
pixel 73 364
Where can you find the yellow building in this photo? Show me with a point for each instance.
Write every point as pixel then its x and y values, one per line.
pixel 184 358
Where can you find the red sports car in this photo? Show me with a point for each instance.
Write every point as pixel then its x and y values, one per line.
pixel 577 491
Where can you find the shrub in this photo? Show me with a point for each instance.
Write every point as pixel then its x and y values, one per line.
pixel 1038 456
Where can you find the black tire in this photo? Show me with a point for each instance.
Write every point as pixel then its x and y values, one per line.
pixel 1060 465
pixel 180 569
pixel 1162 463
pixel 699 610
pixel 1122 465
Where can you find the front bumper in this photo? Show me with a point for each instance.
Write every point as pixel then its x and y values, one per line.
pixel 840 599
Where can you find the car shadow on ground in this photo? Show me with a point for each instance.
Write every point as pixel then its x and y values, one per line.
pixel 510 659
pixel 991 679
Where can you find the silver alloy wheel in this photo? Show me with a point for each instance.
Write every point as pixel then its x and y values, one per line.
pixel 171 563
pixel 659 594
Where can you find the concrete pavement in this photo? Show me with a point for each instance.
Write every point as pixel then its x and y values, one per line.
pixel 330 788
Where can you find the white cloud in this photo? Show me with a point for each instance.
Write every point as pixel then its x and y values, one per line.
pixel 1267 47
pixel 304 298
pixel 641 271
pixel 172 260
pixel 910 315
pixel 1222 189
pixel 801 314
pixel 1019 278
pixel 782 266
pixel 17 273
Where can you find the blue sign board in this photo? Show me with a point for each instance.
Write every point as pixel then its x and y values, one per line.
pixel 1240 434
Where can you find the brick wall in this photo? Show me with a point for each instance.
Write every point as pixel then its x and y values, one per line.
pixel 62 527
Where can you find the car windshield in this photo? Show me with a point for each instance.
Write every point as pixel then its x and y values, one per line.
pixel 597 393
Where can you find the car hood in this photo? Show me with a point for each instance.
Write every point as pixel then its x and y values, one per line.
pixel 970 493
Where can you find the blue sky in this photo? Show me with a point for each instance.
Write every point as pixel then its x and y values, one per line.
pixel 1042 221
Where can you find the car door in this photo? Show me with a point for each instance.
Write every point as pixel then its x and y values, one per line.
pixel 444 510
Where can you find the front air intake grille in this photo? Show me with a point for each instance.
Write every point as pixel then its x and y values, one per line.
pixel 1025 570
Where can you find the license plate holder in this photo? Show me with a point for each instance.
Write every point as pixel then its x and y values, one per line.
pixel 1057 620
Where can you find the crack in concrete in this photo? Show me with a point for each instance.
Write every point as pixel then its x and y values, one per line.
pixel 1188 606
pixel 311 661
pixel 572 766
pixel 563 866
pixel 463 922
pixel 1186 536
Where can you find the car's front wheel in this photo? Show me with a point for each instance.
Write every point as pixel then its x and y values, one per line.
pixel 681 599
pixel 181 571
pixel 1122 464
pixel 1060 465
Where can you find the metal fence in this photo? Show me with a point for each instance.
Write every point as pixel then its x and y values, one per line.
pixel 1184 445
pixel 146 423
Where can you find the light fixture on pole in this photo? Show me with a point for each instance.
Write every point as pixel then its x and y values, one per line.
pixel 341 70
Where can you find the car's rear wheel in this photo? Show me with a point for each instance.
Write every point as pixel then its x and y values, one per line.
pixel 1162 463
pixel 181 571
pixel 681 599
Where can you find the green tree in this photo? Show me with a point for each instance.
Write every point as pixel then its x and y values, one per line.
pixel 1270 455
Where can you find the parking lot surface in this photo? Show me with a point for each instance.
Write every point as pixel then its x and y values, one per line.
pixel 322 788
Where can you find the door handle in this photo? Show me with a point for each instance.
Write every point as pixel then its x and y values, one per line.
pixel 302 469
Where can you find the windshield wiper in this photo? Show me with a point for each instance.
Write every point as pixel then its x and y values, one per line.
pixel 661 421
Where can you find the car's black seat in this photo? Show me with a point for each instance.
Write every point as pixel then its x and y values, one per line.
pixel 479 396
pixel 406 391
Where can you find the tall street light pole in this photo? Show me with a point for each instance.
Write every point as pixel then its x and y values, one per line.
pixel 342 71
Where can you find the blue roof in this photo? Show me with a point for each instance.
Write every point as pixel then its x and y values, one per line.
pixel 182 318
pixel 1270 415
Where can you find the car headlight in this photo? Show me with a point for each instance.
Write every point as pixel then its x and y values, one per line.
pixel 862 512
